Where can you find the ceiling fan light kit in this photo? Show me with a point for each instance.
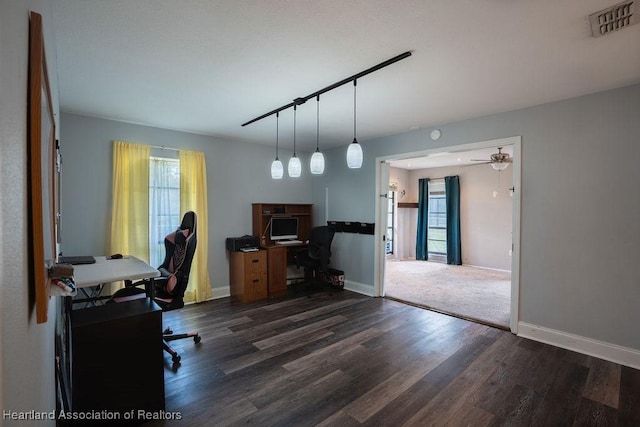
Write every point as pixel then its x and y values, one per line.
pixel 500 166
pixel 498 161
pixel 354 152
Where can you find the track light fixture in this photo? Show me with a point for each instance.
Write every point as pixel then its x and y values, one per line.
pixel 276 166
pixel 294 168
pixel 316 164
pixel 354 152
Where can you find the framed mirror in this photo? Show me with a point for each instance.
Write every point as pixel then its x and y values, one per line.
pixel 42 169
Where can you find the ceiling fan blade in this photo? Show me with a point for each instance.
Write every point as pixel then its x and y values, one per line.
pixel 476 164
pixel 480 160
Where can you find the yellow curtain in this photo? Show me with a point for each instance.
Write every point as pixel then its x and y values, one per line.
pixel 193 197
pixel 130 200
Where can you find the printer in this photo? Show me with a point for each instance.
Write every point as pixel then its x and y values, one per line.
pixel 235 244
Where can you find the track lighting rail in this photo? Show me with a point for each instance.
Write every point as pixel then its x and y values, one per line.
pixel 302 100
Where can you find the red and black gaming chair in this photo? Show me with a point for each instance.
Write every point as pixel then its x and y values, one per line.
pixel 169 288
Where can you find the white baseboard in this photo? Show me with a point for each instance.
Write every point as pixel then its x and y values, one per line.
pixel 488 268
pixel 221 292
pixel 361 288
pixel 357 287
pixel 600 349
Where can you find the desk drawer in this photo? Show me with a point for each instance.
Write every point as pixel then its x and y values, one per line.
pixel 248 275
pixel 255 262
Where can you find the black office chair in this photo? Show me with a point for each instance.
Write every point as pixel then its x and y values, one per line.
pixel 169 288
pixel 315 258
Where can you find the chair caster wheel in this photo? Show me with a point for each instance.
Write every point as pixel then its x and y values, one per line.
pixel 176 358
pixel 197 339
pixel 167 331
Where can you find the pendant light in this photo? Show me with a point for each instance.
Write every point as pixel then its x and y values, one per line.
pixel 294 168
pixel 276 166
pixel 354 152
pixel 317 159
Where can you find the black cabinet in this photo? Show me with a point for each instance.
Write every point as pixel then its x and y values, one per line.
pixel 117 363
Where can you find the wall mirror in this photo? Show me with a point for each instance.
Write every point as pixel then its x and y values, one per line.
pixel 42 170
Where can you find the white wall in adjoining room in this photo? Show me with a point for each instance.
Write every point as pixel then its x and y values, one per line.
pixel 485 220
pixel 405 226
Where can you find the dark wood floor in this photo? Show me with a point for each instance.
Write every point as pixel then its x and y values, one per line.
pixel 346 359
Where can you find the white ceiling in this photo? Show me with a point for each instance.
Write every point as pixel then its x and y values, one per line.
pixel 208 66
pixel 446 158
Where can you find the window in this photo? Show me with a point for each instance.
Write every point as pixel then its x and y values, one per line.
pixel 164 204
pixel 437 232
pixel 391 214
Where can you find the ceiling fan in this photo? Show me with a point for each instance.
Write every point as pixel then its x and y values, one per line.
pixel 499 161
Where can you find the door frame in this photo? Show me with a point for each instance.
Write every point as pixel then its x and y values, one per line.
pixel 382 170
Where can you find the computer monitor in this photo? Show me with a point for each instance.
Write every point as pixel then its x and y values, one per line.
pixel 284 228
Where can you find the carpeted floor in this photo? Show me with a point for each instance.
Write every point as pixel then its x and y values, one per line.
pixel 469 292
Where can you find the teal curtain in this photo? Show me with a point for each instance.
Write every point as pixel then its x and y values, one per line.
pixel 422 250
pixel 452 189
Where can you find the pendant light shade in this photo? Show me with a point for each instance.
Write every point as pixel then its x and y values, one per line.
pixel 316 165
pixel 354 155
pixel 277 170
pixel 276 166
pixel 295 167
pixel 354 152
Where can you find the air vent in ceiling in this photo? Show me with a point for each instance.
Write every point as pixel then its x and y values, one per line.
pixel 613 18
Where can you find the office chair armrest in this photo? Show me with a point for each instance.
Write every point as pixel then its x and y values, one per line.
pixel 297 256
pixel 132 284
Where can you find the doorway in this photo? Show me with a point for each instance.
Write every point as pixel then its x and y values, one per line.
pixel 479 273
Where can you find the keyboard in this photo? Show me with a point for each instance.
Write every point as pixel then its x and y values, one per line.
pixel 77 260
pixel 289 242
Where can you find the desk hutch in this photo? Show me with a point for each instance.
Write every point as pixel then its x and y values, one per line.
pixel 278 257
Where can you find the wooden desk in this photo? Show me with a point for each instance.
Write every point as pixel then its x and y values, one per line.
pixel 277 261
pixel 117 362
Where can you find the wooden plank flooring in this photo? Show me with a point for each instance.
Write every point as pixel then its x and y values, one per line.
pixel 343 359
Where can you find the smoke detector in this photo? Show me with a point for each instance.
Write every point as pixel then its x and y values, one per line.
pixel 613 18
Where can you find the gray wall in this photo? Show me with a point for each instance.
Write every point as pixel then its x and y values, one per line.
pixel 26 348
pixel 238 174
pixel 580 206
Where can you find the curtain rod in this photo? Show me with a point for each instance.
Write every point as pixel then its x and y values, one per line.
pixel 162 147
pixel 304 99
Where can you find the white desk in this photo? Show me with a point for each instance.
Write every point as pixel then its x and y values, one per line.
pixel 111 270
pixel 93 336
